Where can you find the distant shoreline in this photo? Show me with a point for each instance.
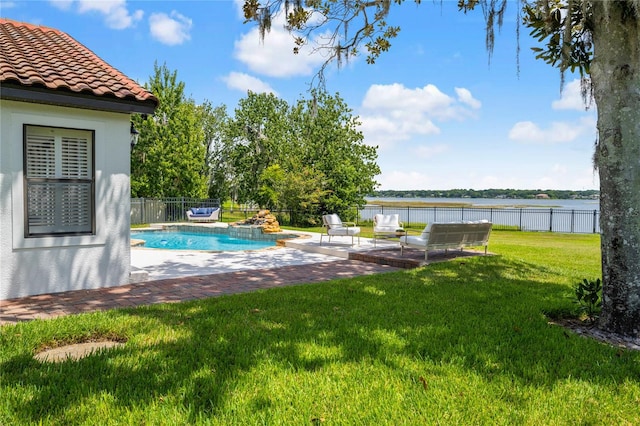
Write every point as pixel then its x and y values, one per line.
pixel 416 204
pixel 408 203
pixel 550 194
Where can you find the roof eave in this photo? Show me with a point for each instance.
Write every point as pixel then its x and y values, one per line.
pixel 75 100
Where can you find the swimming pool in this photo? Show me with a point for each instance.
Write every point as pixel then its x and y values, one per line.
pixel 210 239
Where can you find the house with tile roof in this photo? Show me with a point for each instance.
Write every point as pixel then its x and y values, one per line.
pixel 65 140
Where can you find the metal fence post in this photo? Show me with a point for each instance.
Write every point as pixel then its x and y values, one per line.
pixel 595 219
pixel 572 219
pixel 550 220
pixel 520 225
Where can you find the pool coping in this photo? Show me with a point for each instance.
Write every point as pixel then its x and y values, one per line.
pixel 278 242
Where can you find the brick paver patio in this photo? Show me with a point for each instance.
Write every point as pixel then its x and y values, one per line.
pixel 179 289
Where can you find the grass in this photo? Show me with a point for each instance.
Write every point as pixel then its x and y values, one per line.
pixel 461 342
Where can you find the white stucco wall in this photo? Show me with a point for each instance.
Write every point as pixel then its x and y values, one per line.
pixel 30 266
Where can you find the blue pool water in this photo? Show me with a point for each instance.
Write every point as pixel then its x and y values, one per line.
pixel 194 241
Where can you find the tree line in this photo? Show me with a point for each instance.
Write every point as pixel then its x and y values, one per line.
pixel 488 193
pixel 308 158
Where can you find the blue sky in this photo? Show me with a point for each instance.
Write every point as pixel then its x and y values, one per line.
pixel 442 116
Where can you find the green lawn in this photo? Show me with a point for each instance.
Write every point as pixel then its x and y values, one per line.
pixel 463 342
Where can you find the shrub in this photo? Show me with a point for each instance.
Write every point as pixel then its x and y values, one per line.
pixel 589 297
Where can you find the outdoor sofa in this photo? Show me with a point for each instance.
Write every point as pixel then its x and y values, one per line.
pixel 445 236
pixel 203 214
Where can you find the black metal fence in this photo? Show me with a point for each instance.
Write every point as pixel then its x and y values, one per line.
pixel 154 210
pixel 526 219
pixel 148 210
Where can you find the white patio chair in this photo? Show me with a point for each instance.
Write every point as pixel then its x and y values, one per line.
pixel 334 226
pixel 387 225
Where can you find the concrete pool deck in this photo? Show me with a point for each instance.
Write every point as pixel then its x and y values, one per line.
pixel 158 264
pixel 169 276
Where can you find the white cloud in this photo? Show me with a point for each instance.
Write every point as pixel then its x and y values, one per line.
pixel 558 132
pixel 244 82
pixel 274 56
pixel 396 97
pixel 464 96
pixel 411 179
pixel 562 176
pixel 115 12
pixel 557 176
pixel 394 113
pixel 385 132
pixel 170 29
pixel 571 97
pixel 60 4
pixel 430 151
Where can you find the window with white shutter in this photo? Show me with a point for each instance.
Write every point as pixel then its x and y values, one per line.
pixel 59 181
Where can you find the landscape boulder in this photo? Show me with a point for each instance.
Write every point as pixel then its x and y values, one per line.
pixel 264 219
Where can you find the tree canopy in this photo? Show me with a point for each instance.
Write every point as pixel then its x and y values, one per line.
pixel 308 158
pixel 169 159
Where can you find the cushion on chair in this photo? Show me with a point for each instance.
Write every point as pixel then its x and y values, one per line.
pixel 333 220
pixel 383 229
pixel 425 232
pixel 351 230
pixel 413 240
pixel 386 223
pixel 202 211
pixel 387 220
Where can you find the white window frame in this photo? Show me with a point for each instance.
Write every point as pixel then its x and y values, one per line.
pixel 59 181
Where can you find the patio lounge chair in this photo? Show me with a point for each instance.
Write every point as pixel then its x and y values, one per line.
pixel 203 214
pixel 336 227
pixel 387 225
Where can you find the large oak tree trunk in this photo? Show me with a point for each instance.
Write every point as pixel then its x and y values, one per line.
pixel 615 74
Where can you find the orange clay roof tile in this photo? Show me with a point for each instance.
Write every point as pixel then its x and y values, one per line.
pixel 32 55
